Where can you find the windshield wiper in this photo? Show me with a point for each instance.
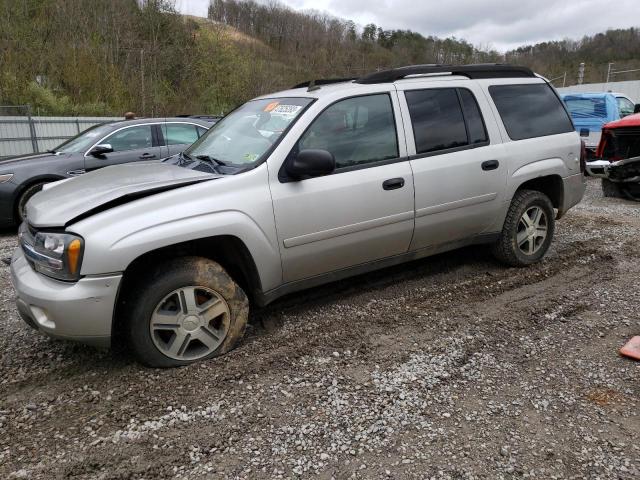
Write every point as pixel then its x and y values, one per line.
pixel 210 159
pixel 51 151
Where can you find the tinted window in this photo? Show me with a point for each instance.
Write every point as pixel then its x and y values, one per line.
pixel 475 124
pixel 131 138
pixel 179 133
pixel 437 119
pixel 625 106
pixel 530 111
pixel 357 131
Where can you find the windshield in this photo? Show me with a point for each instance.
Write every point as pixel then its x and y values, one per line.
pixel 586 107
pixel 246 134
pixel 83 141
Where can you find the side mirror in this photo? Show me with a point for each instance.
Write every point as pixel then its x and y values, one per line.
pixel 584 132
pixel 101 149
pixel 636 109
pixel 311 163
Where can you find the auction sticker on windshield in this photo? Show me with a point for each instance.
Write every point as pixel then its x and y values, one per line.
pixel 287 109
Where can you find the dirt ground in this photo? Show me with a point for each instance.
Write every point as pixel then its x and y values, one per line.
pixel 449 367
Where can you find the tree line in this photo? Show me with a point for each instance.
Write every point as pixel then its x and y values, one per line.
pixel 105 57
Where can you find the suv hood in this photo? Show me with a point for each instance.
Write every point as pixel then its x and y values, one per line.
pixel 63 202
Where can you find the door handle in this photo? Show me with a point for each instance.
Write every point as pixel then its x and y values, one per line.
pixel 393 183
pixel 147 155
pixel 490 165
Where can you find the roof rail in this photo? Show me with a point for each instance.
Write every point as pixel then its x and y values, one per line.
pixel 480 70
pixel 323 81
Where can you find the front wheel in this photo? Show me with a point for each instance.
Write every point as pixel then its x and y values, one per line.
pixel 188 309
pixel 527 231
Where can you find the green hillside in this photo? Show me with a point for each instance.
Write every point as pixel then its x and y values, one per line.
pixel 105 57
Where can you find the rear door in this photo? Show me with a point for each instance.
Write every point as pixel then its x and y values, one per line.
pixel 178 136
pixel 130 144
pixel 457 159
pixel 364 210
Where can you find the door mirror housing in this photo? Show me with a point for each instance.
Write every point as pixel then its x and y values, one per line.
pixel 636 108
pixel 311 163
pixel 101 149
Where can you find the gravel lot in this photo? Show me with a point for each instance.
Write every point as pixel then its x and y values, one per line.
pixel 449 367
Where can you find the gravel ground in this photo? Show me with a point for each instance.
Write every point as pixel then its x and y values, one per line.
pixel 450 367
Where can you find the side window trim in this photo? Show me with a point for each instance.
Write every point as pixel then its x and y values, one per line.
pixel 469 146
pixel 282 174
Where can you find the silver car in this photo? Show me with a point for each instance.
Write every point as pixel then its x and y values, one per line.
pixel 292 190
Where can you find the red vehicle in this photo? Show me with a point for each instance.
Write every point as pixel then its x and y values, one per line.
pixel 619 151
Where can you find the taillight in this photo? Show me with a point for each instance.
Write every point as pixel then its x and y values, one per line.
pixel 583 156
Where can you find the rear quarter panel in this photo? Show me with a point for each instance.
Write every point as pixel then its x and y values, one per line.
pixel 534 157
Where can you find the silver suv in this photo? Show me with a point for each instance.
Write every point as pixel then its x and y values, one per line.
pixel 294 189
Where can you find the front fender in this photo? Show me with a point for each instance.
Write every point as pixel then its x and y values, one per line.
pixel 117 253
pixel 116 237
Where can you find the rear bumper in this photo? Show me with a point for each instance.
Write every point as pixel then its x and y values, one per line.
pixel 80 311
pixel 574 188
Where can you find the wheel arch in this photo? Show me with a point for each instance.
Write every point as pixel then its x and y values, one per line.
pixel 227 250
pixel 551 185
pixel 31 181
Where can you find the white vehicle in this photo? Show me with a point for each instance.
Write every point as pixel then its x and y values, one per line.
pixel 292 190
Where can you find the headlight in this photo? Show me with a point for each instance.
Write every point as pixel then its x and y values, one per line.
pixel 6 177
pixel 57 255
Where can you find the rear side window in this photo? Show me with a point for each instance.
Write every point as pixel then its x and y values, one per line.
pixel 530 111
pixel 439 122
pixel 179 133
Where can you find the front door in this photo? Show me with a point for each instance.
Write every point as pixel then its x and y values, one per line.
pixel 130 144
pixel 364 210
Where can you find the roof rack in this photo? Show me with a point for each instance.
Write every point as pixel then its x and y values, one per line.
pixel 481 70
pixel 323 81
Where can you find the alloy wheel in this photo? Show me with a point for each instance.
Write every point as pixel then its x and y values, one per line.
pixel 532 230
pixel 190 323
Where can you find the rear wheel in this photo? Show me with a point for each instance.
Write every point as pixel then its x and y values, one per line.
pixel 186 310
pixel 21 204
pixel 527 231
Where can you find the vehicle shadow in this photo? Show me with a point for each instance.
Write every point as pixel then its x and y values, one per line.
pixel 477 258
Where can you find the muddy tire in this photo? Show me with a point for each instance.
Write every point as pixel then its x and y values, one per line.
pixel 528 229
pixel 611 189
pixel 185 310
pixel 24 197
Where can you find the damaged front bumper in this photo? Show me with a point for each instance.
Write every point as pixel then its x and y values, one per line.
pixel 622 171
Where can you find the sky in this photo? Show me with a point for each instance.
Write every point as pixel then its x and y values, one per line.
pixel 497 24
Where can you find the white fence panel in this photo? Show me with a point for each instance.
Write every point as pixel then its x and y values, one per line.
pixel 21 135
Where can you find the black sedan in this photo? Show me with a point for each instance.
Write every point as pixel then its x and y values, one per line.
pixel 99 146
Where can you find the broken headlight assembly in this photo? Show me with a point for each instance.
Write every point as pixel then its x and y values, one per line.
pixel 57 255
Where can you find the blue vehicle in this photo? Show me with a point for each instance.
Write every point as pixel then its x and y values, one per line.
pixel 590 111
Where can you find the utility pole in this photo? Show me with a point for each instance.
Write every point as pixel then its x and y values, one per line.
pixel 581 73
pixel 564 80
pixel 142 92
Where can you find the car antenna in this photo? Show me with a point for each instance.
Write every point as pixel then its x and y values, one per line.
pixel 312 86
